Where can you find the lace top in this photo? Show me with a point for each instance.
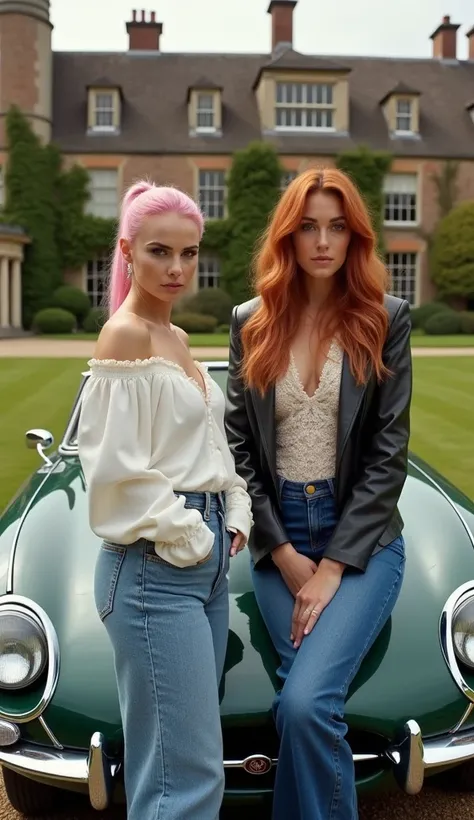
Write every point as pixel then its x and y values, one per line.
pixel 147 432
pixel 306 426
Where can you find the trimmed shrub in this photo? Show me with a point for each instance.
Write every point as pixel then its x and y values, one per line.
pixel 443 323
pixel 54 320
pixel 195 322
pixel 467 322
pixel 452 253
pixel 75 300
pixel 420 315
pixel 211 302
pixel 223 329
pixel 95 320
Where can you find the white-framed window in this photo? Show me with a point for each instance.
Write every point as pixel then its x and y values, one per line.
pixel 304 106
pixel 103 190
pixel 400 192
pixel 96 280
pixel 286 178
pixel 403 268
pixel 209 272
pixel 205 112
pixel 212 193
pixel 404 116
pixel 104 111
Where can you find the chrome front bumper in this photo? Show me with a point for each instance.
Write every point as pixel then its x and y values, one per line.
pixel 409 757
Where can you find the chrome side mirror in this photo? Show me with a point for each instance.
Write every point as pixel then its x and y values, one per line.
pixel 40 440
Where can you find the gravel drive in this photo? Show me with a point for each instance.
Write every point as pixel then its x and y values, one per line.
pixel 432 804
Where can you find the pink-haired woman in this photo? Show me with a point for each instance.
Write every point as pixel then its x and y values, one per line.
pixel 164 497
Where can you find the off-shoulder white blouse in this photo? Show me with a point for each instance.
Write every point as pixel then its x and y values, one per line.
pixel 148 432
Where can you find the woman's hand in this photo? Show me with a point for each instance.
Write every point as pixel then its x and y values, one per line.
pixel 295 569
pixel 313 597
pixel 238 542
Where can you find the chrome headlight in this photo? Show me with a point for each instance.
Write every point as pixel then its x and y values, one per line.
pixel 23 649
pixel 463 632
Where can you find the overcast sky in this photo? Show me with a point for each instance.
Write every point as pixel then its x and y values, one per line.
pixel 399 28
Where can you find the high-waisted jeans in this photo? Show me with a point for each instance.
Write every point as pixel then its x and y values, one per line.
pixel 315 777
pixel 168 627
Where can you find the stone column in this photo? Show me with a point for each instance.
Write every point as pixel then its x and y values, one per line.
pixel 4 293
pixel 16 318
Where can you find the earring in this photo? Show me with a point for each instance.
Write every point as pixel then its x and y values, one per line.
pixel 129 270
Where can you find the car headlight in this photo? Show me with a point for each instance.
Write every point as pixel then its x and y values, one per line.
pixel 23 649
pixel 463 632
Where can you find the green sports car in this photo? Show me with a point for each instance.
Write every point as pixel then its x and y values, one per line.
pixel 410 710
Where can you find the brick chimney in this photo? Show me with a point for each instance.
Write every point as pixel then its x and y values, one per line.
pixel 144 35
pixel 444 40
pixel 282 21
pixel 470 39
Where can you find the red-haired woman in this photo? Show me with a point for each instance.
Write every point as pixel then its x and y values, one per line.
pixel 318 407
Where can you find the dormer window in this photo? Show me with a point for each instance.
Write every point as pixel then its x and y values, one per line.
pixel 206 112
pixel 205 108
pixel 104 109
pixel 304 106
pixel 404 114
pixel 401 106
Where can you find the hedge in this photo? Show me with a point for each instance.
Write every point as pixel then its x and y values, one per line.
pixel 195 322
pixel 54 320
pixel 75 300
pixel 443 323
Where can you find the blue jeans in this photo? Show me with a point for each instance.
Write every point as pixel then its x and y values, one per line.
pixel 315 777
pixel 168 627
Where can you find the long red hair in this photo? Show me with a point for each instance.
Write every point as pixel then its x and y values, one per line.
pixel 354 311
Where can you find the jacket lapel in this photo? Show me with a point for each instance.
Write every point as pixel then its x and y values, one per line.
pixel 265 413
pixel 350 397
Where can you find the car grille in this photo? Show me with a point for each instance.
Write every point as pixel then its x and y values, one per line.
pixel 241 742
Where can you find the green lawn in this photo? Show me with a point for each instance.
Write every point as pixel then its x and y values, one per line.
pixel 222 339
pixel 39 393
pixel 195 339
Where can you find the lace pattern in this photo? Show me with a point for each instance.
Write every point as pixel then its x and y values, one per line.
pixel 307 425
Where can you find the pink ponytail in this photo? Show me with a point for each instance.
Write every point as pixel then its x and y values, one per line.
pixel 141 200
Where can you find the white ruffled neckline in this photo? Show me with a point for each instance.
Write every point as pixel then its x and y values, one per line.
pixel 139 365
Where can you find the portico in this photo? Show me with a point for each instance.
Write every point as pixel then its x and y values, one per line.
pixel 12 242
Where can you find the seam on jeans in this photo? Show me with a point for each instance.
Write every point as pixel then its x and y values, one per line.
pixel 109 605
pixel 154 688
pixel 335 796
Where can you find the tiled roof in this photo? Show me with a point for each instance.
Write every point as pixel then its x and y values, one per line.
pixel 155 113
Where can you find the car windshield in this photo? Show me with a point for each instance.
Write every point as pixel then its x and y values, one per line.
pixel 218 371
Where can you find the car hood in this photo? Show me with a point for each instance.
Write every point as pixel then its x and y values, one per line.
pixel 404 675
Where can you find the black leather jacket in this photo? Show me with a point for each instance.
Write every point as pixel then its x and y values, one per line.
pixel 371 454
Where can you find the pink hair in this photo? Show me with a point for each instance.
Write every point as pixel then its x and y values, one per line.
pixel 141 200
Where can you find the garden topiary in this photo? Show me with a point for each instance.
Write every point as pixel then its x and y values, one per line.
pixel 467 322
pixel 75 300
pixel 420 315
pixel 443 323
pixel 95 320
pixel 211 302
pixel 195 322
pixel 54 320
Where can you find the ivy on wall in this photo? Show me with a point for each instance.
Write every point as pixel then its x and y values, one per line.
pixel 368 169
pixel 253 191
pixel 48 202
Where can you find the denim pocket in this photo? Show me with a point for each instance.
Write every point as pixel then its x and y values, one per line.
pixel 107 571
pixel 397 546
pixel 152 556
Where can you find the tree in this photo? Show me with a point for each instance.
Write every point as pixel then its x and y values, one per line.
pixel 48 203
pixel 452 253
pixel 253 191
pixel 30 202
pixel 368 169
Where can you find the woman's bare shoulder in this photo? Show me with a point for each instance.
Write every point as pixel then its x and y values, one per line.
pixel 124 337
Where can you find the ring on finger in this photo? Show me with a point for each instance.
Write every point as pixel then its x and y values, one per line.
pixel 315 612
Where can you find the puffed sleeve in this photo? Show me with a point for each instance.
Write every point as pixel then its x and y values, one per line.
pixel 239 507
pixel 129 499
